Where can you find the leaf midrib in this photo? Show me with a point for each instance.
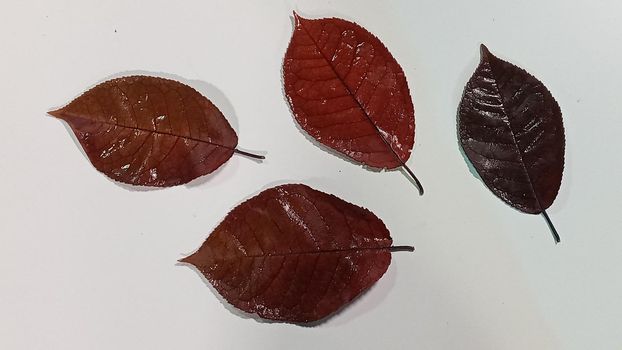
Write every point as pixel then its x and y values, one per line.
pixel 509 124
pixel 72 115
pixel 328 62
pixel 324 251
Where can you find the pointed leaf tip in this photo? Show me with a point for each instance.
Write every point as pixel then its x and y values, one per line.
pixel 57 113
pixel 485 53
pixel 186 260
pixel 297 18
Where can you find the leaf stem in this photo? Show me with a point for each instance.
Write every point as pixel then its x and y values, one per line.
pixel 251 155
pixel 550 223
pixel 401 248
pixel 417 183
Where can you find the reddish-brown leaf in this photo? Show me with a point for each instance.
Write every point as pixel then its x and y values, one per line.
pixel 294 254
pixel 150 131
pixel 511 130
pixel 348 92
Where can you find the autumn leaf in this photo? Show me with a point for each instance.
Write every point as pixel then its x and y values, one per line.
pixel 511 129
pixel 295 254
pixel 348 92
pixel 150 131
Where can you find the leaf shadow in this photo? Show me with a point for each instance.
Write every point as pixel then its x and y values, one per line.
pixel 459 92
pixel 388 279
pixel 467 161
pixel 211 92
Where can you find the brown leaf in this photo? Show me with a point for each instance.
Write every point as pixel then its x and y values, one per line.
pixel 294 254
pixel 511 129
pixel 150 131
pixel 349 93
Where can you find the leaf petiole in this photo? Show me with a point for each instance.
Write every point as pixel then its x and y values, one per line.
pixel 551 226
pixel 417 183
pixel 401 248
pixel 247 154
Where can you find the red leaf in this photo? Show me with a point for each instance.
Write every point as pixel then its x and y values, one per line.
pixel 150 131
pixel 348 92
pixel 511 130
pixel 295 254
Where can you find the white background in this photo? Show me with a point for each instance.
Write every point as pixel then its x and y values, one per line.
pixel 86 263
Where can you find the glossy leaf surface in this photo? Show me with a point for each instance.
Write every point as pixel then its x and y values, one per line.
pixel 294 254
pixel 511 130
pixel 150 131
pixel 348 92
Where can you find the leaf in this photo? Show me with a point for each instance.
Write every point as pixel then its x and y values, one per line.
pixel 348 92
pixel 150 131
pixel 295 254
pixel 511 130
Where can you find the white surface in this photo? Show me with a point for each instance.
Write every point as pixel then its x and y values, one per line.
pixel 88 264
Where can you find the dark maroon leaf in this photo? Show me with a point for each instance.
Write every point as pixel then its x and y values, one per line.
pixel 295 254
pixel 150 131
pixel 511 130
pixel 348 92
